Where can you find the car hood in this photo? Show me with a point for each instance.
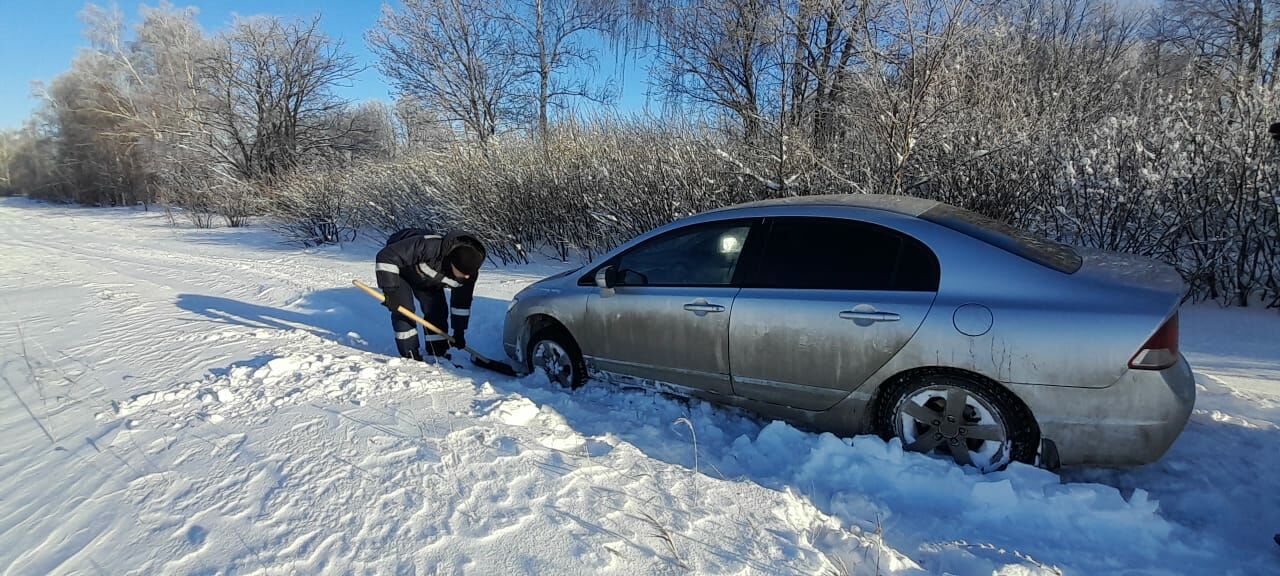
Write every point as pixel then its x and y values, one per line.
pixel 549 280
pixel 561 274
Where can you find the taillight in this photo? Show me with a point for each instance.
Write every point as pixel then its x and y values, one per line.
pixel 1161 349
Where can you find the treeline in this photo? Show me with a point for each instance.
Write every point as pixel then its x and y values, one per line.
pixel 1142 130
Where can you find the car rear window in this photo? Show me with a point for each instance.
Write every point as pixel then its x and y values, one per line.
pixel 1040 250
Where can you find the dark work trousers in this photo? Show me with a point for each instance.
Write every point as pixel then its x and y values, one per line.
pixel 435 309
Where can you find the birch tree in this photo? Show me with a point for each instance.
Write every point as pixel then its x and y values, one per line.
pixel 552 56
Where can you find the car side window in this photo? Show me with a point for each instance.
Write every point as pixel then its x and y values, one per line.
pixel 698 255
pixel 838 254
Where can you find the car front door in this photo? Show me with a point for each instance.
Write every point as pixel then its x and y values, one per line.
pixel 667 317
pixel 827 302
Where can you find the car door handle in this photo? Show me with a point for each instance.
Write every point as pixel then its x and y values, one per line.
pixel 702 307
pixel 869 316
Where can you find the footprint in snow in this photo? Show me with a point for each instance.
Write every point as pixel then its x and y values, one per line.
pixel 196 535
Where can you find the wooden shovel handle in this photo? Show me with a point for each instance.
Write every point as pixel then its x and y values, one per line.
pixel 410 315
pixel 401 309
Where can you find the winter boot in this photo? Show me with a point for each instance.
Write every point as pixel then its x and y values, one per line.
pixel 437 346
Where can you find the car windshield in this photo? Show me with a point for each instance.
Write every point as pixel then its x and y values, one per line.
pixel 1037 249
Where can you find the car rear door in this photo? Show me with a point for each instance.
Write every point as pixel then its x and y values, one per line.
pixel 667 318
pixel 825 303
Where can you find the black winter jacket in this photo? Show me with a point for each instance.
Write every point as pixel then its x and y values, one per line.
pixel 416 257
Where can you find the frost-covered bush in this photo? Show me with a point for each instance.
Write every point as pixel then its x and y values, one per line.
pixel 317 208
pixel 1187 181
pixel 583 190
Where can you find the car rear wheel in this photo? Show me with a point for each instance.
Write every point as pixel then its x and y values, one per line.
pixel 554 352
pixel 972 421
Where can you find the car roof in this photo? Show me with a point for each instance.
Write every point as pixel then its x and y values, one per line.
pixel 905 205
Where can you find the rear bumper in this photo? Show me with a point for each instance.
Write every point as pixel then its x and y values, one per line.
pixel 1131 422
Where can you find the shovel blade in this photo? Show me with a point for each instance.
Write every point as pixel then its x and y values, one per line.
pixel 494 366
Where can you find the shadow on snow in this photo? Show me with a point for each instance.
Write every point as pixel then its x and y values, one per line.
pixel 343 315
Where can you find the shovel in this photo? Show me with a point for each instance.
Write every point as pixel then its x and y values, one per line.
pixel 476 358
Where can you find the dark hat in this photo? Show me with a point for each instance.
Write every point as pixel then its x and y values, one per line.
pixel 466 259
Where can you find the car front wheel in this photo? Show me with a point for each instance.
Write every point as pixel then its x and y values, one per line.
pixel 554 352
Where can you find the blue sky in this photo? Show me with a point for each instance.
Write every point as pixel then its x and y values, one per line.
pixel 38 39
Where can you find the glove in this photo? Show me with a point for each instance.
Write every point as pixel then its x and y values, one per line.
pixel 459 339
pixel 390 300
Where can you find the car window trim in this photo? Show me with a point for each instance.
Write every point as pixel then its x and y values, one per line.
pixel 753 222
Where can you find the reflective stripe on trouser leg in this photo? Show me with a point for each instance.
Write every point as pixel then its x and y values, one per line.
pixel 405 331
pixel 407 345
pixel 437 345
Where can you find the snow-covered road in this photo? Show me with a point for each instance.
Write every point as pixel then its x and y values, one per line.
pixel 214 401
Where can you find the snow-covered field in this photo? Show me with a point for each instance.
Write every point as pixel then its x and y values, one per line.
pixel 213 401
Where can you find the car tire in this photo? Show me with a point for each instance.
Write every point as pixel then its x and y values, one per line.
pixel 554 351
pixel 990 429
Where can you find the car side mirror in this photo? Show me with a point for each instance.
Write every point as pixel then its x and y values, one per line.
pixel 606 278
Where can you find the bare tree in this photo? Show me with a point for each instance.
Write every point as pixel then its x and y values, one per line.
pixel 271 102
pixel 1235 37
pixel 906 48
pixel 451 55
pixel 373 132
pixel 32 166
pixel 9 141
pixel 720 53
pixel 780 69
pixel 822 53
pixel 552 59
pixel 97 152
pixel 165 58
pixel 420 127
pixel 151 92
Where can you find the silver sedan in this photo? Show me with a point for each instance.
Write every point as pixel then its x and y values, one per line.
pixel 956 334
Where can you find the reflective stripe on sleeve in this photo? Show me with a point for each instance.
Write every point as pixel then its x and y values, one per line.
pixel 430 272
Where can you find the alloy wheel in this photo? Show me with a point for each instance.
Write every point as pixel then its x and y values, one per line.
pixel 955 422
pixel 554 360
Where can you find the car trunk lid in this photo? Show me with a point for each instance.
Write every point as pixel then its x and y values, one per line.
pixel 1163 288
pixel 1134 272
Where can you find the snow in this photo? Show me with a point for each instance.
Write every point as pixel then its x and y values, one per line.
pixel 214 401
